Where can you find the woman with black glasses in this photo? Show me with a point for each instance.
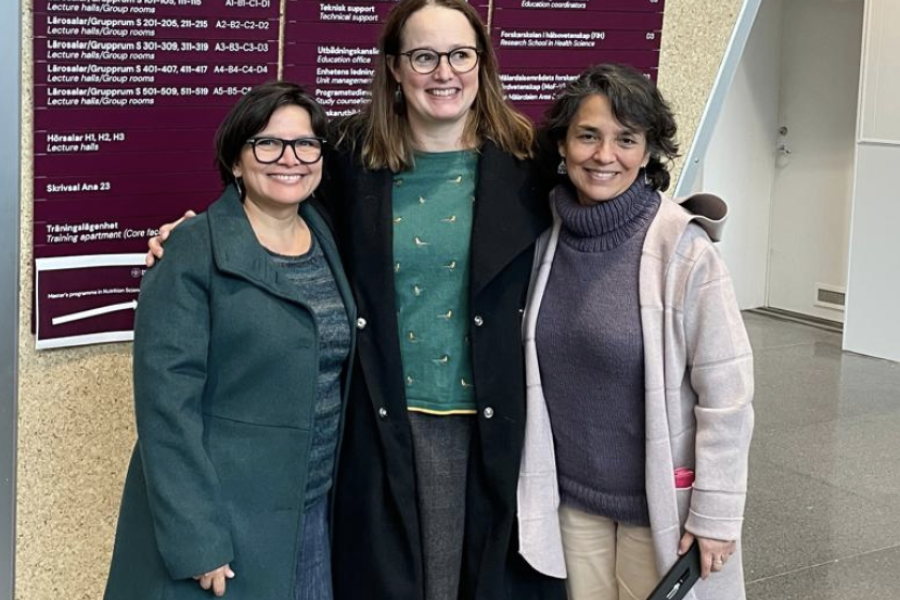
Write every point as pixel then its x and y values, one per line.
pixel 242 339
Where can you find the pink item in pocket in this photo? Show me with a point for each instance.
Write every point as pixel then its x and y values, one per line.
pixel 684 478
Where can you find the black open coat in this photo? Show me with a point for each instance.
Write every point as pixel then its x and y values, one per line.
pixel 377 547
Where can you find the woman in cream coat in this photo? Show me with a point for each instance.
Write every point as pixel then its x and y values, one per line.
pixel 691 407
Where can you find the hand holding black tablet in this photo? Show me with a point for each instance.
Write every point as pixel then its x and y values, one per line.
pixel 681 577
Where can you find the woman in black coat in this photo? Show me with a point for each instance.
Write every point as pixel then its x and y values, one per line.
pixel 425 503
pixel 378 550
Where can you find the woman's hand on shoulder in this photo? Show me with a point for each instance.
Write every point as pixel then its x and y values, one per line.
pixel 713 553
pixel 156 242
pixel 215 579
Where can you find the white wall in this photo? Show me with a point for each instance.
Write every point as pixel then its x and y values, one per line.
pixel 880 89
pixel 813 187
pixel 740 162
pixel 872 325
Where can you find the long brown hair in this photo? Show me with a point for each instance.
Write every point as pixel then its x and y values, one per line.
pixel 383 127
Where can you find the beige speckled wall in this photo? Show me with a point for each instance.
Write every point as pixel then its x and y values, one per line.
pixel 75 433
pixel 75 417
pixel 695 36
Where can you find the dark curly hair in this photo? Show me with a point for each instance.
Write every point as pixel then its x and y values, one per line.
pixel 636 103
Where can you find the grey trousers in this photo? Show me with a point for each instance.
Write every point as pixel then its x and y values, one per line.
pixel 441 445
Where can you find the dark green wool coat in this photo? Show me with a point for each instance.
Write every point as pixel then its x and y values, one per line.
pixel 225 380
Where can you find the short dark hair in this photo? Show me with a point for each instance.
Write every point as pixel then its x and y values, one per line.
pixel 636 103
pixel 251 114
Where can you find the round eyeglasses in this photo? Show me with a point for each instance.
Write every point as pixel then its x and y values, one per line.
pixel 268 150
pixel 426 60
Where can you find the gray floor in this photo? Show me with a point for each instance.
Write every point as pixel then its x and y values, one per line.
pixel 823 509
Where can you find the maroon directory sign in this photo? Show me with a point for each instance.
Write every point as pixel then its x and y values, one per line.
pixel 542 44
pixel 128 94
pixel 127 97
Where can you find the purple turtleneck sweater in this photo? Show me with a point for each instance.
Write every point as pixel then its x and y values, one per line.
pixel 590 350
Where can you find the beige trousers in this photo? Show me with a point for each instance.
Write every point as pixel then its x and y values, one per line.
pixel 606 560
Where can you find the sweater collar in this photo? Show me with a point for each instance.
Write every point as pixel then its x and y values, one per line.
pixel 605 225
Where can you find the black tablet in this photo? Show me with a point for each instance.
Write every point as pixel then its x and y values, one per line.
pixel 681 577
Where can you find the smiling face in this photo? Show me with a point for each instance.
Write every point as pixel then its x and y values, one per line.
pixel 441 99
pixel 603 157
pixel 287 182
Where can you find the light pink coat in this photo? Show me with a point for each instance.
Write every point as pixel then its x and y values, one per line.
pixel 699 387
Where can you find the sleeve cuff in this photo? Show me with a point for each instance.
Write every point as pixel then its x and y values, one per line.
pixel 716 515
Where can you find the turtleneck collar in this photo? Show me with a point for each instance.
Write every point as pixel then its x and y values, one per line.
pixel 604 225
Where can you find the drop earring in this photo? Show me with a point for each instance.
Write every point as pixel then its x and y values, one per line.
pixel 237 186
pixel 399 100
pixel 562 169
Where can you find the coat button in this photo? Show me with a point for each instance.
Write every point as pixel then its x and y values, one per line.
pixel 478 321
pixel 360 323
pixel 382 412
pixel 488 413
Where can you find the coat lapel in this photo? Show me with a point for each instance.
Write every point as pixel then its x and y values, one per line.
pixel 237 251
pixel 511 211
pixel 369 263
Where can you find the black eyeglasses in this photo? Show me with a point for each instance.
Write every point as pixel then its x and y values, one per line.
pixel 268 150
pixel 426 60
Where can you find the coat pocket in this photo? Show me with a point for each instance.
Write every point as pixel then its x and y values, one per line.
pixel 260 468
